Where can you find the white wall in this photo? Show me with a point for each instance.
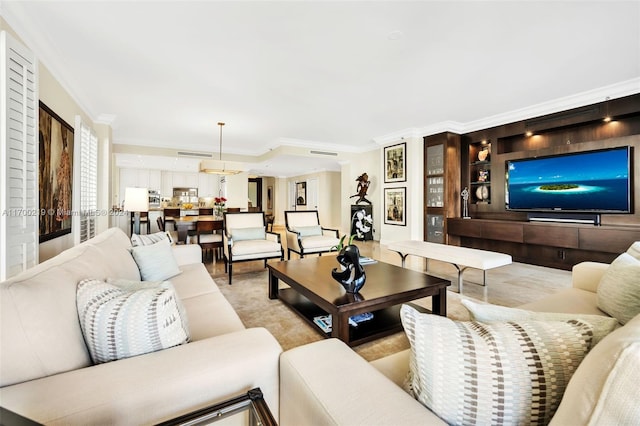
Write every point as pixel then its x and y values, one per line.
pixel 329 196
pixel 414 190
pixel 237 190
pixel 369 162
pixel 58 99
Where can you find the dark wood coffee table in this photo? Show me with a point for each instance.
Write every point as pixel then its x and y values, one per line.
pixel 313 292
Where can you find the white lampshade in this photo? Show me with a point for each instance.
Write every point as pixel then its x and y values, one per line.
pixel 136 200
pixel 220 167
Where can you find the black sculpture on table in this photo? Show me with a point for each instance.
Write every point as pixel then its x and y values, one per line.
pixel 352 276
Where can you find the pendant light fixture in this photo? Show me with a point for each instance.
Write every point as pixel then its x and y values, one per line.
pixel 219 167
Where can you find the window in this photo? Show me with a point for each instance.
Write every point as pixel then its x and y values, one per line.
pixel 19 160
pixel 88 143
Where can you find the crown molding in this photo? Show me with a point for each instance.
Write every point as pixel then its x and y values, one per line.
pixel 44 49
pixel 612 91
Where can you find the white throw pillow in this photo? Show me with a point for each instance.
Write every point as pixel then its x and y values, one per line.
pixel 146 240
pixel 487 313
pixel 156 262
pixel 492 373
pixel 240 234
pixel 308 231
pixel 634 250
pixel 618 293
pixel 120 322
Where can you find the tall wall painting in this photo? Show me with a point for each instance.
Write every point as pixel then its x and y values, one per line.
pixel 56 174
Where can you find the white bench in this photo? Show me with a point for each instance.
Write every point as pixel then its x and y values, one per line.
pixel 460 257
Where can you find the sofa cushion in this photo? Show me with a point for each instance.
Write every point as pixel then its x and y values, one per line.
pixel 619 289
pixel 488 313
pixel 241 234
pixel 487 373
pixel 126 319
pixel 308 231
pixel 146 240
pixel 248 248
pixel 315 242
pixel 604 388
pixel 156 261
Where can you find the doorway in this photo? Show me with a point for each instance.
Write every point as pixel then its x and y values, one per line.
pixel 255 194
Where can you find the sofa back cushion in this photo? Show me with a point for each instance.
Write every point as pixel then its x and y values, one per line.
pixel 619 289
pixel 40 333
pixel 604 388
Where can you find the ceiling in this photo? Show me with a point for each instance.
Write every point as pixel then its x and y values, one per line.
pixel 336 76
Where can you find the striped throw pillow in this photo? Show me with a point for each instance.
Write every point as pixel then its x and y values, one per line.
pixel 147 240
pixel 509 373
pixel 121 321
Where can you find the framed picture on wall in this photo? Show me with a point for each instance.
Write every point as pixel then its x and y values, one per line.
pixel 301 193
pixel 55 174
pixel 395 163
pixel 395 206
pixel 269 197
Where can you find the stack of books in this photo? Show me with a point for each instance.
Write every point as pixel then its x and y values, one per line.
pixel 324 321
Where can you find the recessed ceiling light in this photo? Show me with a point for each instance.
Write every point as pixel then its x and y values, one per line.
pixel 395 35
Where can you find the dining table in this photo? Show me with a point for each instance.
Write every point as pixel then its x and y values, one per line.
pixel 184 224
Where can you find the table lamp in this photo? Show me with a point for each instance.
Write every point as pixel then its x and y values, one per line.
pixel 136 200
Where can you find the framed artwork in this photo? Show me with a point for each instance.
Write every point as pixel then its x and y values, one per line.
pixel 395 163
pixel 55 174
pixel 395 206
pixel 301 193
pixel 269 197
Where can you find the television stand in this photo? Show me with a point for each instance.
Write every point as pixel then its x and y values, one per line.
pixel 556 245
pixel 587 218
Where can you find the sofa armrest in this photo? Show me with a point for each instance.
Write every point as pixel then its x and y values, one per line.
pixel 587 275
pixel 327 383
pixel 155 387
pixel 187 254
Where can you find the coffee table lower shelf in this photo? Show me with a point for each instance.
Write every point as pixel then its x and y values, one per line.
pixel 384 322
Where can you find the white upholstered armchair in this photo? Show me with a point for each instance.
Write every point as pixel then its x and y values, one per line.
pixel 245 238
pixel 305 235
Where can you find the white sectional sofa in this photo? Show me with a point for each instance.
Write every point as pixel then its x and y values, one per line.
pixel 327 383
pixel 46 371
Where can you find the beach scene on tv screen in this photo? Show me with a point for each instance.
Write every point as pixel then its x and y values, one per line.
pixel 596 180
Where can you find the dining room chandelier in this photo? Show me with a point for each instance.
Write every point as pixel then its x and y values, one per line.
pixel 220 167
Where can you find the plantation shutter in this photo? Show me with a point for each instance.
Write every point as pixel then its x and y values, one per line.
pixel 87 140
pixel 19 196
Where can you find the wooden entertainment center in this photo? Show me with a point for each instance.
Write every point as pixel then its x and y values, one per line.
pixel 476 161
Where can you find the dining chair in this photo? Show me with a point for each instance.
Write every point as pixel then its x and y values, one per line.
pixel 169 213
pixel 208 238
pixel 144 219
pixel 162 227
pixel 205 211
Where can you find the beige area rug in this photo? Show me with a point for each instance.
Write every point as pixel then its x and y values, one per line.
pixel 248 295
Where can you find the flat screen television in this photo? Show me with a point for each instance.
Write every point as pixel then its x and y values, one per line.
pixel 598 181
